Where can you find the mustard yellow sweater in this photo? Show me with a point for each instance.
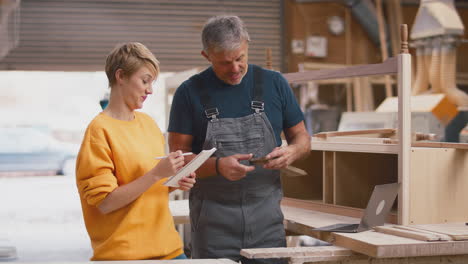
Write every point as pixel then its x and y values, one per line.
pixel 114 153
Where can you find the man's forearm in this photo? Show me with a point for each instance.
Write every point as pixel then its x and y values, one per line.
pixel 207 169
pixel 302 145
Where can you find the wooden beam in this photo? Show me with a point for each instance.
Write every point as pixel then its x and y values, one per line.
pixel 383 44
pixel 387 67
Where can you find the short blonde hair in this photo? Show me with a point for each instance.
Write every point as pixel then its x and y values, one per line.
pixel 130 57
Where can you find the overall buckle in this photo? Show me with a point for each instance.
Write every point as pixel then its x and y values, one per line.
pixel 212 113
pixel 257 106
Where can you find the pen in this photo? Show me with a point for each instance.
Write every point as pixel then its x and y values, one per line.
pixel 183 154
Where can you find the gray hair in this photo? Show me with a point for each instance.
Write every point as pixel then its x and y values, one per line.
pixel 224 33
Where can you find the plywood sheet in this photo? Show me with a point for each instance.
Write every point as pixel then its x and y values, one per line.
pixel 438 186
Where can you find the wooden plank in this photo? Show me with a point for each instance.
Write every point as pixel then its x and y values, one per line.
pixel 407 233
pixel 335 259
pixel 442 237
pixel 387 67
pixel 288 252
pixel 380 245
pixel 457 231
pixel 441 145
pixel 291 171
pixel 354 147
pixel 459 259
pixel 372 140
pixel 387 131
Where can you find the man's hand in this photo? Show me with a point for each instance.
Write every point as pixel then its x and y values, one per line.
pixel 187 183
pixel 280 158
pixel 230 168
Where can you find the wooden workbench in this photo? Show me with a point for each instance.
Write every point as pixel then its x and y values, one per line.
pixel 179 261
pixel 360 248
pixel 370 243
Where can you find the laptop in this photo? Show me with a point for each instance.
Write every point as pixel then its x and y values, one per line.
pixel 378 207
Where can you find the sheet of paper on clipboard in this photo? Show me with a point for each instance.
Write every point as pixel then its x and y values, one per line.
pixel 190 167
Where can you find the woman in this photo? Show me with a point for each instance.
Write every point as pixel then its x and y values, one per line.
pixel 124 201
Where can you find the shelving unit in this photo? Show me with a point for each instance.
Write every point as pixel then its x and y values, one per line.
pixel 342 171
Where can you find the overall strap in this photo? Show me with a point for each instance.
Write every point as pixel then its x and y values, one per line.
pixel 211 112
pixel 257 103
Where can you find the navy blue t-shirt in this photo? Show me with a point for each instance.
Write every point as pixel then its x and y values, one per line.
pixel 188 116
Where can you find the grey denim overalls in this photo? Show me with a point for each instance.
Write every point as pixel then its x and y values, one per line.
pixel 227 216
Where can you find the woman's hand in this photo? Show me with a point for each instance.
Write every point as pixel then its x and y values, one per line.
pixel 187 183
pixel 168 166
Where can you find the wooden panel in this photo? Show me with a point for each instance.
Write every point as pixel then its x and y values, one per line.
pixel 77 35
pixel 358 173
pixel 305 187
pixel 438 185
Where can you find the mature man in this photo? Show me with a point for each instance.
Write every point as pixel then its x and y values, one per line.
pixel 241 110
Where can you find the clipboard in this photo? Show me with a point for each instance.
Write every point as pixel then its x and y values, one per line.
pixel 190 167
